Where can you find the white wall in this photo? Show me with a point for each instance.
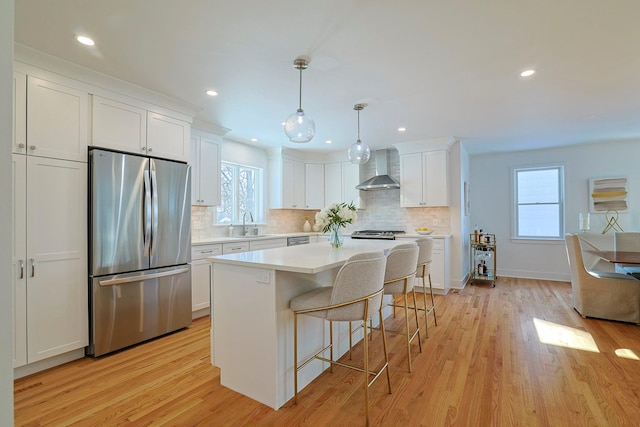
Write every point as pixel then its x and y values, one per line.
pixel 491 200
pixel 6 294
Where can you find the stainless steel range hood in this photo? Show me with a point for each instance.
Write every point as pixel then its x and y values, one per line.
pixel 381 181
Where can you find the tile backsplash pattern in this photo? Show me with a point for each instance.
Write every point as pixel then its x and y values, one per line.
pixel 383 212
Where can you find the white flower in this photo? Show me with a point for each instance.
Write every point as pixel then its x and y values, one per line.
pixel 339 214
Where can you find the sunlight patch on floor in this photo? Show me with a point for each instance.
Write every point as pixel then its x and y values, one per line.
pixel 564 336
pixel 627 354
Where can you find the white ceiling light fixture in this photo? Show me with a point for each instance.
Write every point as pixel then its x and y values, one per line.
pixel 85 40
pixel 211 92
pixel 527 73
pixel 359 152
pixel 402 129
pixel 300 127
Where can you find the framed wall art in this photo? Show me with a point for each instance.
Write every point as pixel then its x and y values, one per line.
pixel 608 194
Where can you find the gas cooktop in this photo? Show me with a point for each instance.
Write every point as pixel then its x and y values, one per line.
pixel 376 234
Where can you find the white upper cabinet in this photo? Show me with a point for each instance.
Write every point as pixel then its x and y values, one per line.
pixel 286 182
pixel 119 126
pixel 333 183
pixel 132 129
pixel 424 179
pixel 314 185
pixel 340 184
pixel 351 178
pixel 19 113
pixel 167 137
pixel 57 121
pixel 205 168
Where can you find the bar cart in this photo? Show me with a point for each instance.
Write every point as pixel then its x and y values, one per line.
pixel 482 259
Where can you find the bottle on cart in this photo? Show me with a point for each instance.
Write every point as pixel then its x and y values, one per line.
pixel 480 269
pixel 475 233
pixel 484 268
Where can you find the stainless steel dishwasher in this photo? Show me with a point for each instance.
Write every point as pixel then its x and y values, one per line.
pixel 297 240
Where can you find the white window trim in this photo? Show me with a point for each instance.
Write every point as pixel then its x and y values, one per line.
pixel 260 214
pixel 562 204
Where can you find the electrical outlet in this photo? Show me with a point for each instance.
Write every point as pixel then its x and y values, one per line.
pixel 263 277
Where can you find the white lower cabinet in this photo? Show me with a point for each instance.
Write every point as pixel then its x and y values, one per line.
pixel 235 247
pixel 259 244
pixel 201 276
pixel 49 257
pixel 440 264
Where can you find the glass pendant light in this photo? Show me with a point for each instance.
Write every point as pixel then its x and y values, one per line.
pixel 300 127
pixel 359 152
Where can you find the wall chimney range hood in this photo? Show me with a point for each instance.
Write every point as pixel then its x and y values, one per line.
pixel 381 181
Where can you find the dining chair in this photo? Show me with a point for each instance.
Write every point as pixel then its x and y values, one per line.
pixel 399 276
pixel 356 295
pixel 600 295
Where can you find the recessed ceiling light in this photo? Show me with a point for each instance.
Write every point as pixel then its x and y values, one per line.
pixel 212 93
pixel 328 141
pixel 527 73
pixel 254 139
pixel 85 40
pixel 401 129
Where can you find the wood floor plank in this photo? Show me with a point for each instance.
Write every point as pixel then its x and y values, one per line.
pixel 484 364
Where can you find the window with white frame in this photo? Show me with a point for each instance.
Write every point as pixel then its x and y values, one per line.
pixel 539 202
pixel 241 191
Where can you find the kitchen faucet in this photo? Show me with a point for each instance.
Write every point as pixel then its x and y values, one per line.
pixel 244 227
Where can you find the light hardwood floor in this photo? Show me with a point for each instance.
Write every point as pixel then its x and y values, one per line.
pixel 484 364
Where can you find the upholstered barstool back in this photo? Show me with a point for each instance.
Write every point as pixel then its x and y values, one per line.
pixel 399 278
pixel 626 241
pixel 423 272
pixel 356 295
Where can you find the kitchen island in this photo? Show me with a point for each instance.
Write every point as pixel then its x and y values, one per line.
pixel 252 325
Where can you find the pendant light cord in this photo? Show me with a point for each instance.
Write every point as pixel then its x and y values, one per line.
pixel 300 95
pixel 358 141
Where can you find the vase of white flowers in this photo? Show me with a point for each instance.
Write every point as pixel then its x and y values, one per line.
pixel 333 218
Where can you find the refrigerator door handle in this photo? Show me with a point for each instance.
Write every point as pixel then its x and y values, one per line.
pixel 122 280
pixel 154 231
pixel 147 213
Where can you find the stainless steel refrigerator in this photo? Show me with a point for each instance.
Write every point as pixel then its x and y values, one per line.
pixel 139 249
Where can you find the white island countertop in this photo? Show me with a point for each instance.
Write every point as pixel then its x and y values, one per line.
pixel 312 258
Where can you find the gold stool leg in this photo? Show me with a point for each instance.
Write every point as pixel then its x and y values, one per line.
pixel 415 313
pixel 406 328
pixel 433 304
pixel 384 346
pixel 366 371
pixel 331 345
pixel 295 357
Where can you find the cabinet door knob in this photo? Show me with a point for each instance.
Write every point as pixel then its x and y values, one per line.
pixel 21 145
pixel 143 148
pixel 21 269
pixel 150 149
pixel 33 267
pixel 32 147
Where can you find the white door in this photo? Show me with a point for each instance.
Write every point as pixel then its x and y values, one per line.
pixel 209 175
pixel 314 185
pixel 333 183
pixel 19 113
pixel 119 126
pixel 168 138
pixel 411 180
pixel 288 184
pixel 351 178
pixel 436 178
pixel 298 185
pixel 57 272
pixel 18 262
pixel 57 120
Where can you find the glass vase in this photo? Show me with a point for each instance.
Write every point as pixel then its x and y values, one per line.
pixel 335 236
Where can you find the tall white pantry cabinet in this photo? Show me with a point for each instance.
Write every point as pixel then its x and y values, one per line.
pixel 49 219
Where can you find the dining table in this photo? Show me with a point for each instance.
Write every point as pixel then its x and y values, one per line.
pixel 626 262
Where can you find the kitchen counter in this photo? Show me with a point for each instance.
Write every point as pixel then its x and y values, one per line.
pixel 252 325
pixel 308 259
pixel 231 239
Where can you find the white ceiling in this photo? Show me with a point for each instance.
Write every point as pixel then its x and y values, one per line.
pixel 439 68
